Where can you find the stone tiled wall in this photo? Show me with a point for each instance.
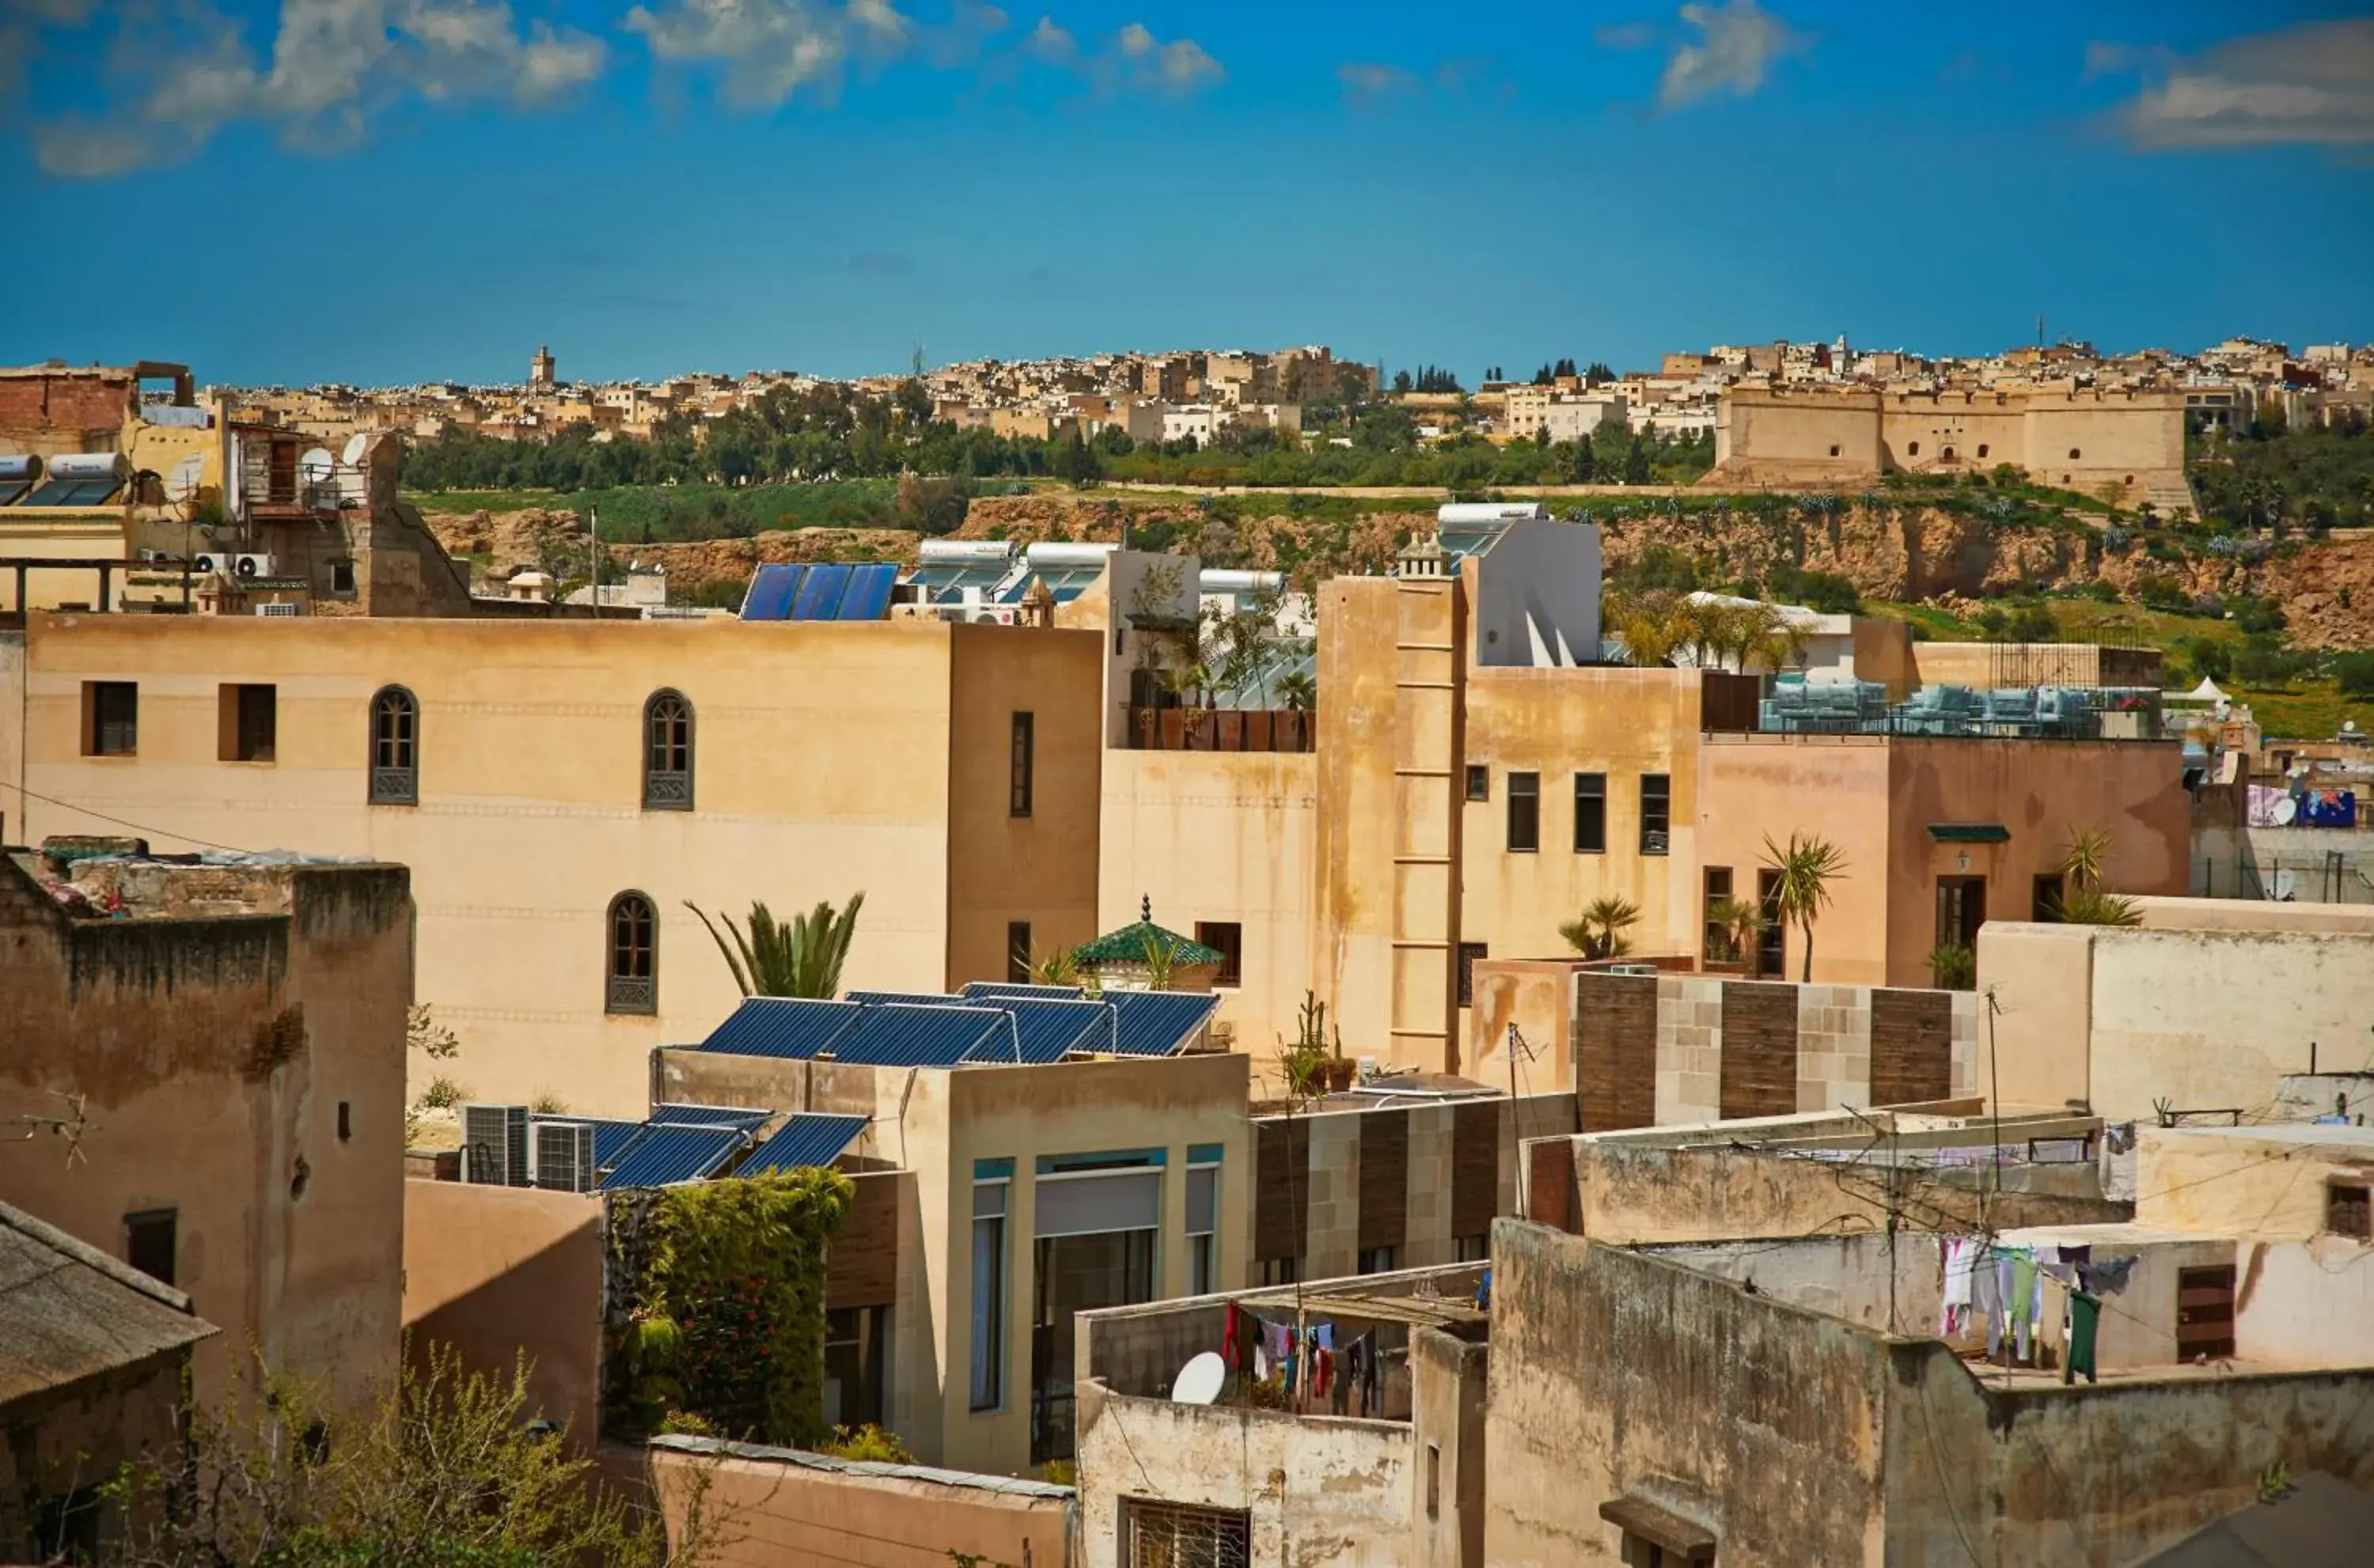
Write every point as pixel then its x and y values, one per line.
pixel 1689 1049
pixel 1429 1188
pixel 1332 1233
pixel 1833 1046
pixel 1834 1025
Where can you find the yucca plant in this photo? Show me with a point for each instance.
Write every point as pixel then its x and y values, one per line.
pixel 1806 865
pixel 1161 957
pixel 1598 932
pixel 2085 904
pixel 1061 967
pixel 798 958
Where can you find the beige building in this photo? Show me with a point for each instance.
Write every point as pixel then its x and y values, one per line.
pixel 2201 1009
pixel 563 790
pixel 218 1048
pixel 1378 1462
pixel 1023 1195
pixel 2128 442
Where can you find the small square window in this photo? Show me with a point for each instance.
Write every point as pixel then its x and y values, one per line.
pixel 342 577
pixel 250 724
pixel 111 718
pixel 1228 938
pixel 149 1242
pixel 1479 782
pixel 2350 1210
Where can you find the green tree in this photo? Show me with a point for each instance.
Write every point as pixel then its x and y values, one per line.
pixel 801 958
pixel 1598 932
pixel 1805 866
pixel 445 1470
pixel 2085 903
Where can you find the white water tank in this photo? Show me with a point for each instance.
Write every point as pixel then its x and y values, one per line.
pixel 1473 514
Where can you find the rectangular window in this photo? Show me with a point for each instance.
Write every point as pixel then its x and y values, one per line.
pixel 1961 909
pixel 1434 1481
pixel 1656 812
pixel 855 1341
pixel 989 1294
pixel 1021 764
pixel 1591 814
pixel 1770 942
pixel 1524 812
pixel 1172 1535
pixel 249 723
pixel 1476 1248
pixel 111 718
pixel 1479 781
pixel 1017 952
pixel 1279 1271
pixel 1203 1230
pixel 1226 938
pixel 150 1240
pixel 1716 941
pixel 2045 904
pixel 2350 1210
pixel 1469 952
pixel 342 577
pixel 1377 1259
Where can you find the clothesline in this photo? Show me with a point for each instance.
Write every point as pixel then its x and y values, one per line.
pixel 2003 1287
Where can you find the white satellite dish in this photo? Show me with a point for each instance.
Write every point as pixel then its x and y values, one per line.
pixel 183 482
pixel 352 452
pixel 316 466
pixel 1199 1381
pixel 2287 810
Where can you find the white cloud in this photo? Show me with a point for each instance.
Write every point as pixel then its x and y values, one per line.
pixel 333 65
pixel 1738 41
pixel 2309 85
pixel 1132 60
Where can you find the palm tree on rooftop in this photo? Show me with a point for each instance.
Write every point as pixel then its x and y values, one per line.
pixel 801 957
pixel 1806 865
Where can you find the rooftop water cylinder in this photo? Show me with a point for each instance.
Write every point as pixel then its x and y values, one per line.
pixel 26 467
pixel 1220 580
pixel 1479 514
pixel 1059 557
pixel 88 465
pixel 954 552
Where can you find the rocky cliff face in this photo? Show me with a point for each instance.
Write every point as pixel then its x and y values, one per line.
pixel 1902 553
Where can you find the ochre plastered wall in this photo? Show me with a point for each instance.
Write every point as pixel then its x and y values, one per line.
pixel 824 765
pixel 211 1058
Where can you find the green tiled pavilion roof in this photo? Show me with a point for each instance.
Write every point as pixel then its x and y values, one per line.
pixel 1128 944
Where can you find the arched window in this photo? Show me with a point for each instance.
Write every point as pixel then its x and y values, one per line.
pixel 667 753
pixel 395 748
pixel 631 956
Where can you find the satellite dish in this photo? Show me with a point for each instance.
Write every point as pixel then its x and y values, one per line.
pixel 2287 810
pixel 316 466
pixel 352 453
pixel 1199 1381
pixel 183 482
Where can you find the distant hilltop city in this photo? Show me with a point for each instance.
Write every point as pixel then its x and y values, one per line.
pixel 1194 394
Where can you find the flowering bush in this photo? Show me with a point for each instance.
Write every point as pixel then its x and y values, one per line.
pixel 726 1323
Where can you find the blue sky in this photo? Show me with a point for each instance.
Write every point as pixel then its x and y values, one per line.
pixel 389 189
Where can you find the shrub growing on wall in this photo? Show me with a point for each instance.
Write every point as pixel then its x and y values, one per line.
pixel 723 1288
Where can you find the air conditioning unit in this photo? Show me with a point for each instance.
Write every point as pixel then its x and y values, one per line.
pixel 494 1145
pixel 564 1155
pixel 251 566
pixel 212 563
pixel 1630 969
pixel 279 612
